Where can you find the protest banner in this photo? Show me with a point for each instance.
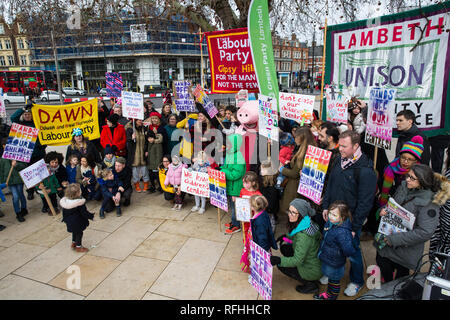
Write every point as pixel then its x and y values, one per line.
pixel 313 173
pixel 206 102
pixel 133 105
pixel 337 104
pixel 243 209
pixel 231 62
pixel 260 36
pixel 55 123
pixel 380 117
pixel 241 98
pixel 21 142
pixel 261 270
pixel 408 51
pixel 114 84
pixel 397 219
pixel 217 189
pixel 34 174
pixel 268 118
pixel 297 107
pixel 182 96
pixel 2 105
pixel 195 183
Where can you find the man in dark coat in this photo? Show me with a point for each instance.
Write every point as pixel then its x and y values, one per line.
pixel 406 130
pixel 352 180
pixel 124 174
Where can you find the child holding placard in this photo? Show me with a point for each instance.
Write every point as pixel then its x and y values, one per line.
pixel 201 164
pixel 52 186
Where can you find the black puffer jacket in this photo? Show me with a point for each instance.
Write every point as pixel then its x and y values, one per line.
pixel 75 214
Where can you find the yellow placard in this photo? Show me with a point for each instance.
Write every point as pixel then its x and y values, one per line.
pixel 55 123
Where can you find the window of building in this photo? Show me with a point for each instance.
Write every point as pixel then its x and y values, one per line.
pixel 1 45
pixel 2 29
pixel 23 60
pixel 11 60
pixel 2 61
pixel 7 44
pixel 20 44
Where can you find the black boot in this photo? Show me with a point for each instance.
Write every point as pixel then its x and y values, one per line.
pixel 30 194
pixel 102 213
pixel 308 287
pixel 24 212
pixel 2 227
pixel 118 211
pixel 19 217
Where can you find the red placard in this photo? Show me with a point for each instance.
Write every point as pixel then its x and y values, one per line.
pixel 231 61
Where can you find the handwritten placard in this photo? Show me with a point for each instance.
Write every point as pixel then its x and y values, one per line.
pixel 34 174
pixel 261 270
pixel 297 107
pixel 21 142
pixel 217 189
pixel 195 183
pixel 206 102
pixel 183 100
pixel 313 173
pixel 380 117
pixel 337 105
pixel 133 105
pixel 243 209
pixel 268 117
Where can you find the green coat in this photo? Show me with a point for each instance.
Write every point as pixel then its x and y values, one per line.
pixel 234 167
pixel 49 183
pixel 155 153
pixel 5 166
pixel 306 245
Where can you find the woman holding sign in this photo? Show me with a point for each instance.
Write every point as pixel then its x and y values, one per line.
pixel 15 184
pixel 402 251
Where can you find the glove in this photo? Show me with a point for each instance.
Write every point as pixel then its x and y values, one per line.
pixel 274 260
pixel 280 238
pixel 380 239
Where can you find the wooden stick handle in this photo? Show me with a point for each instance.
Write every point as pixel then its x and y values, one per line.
pixel 218 217
pixel 49 202
pixel 375 158
pixel 9 174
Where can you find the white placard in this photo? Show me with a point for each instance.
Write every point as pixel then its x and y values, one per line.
pixel 243 209
pixel 34 174
pixel 297 107
pixel 133 105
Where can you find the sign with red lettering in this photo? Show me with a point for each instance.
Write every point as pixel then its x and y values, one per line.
pixel 297 107
pixel 337 104
pixel 231 61
pixel 393 52
pixel 195 183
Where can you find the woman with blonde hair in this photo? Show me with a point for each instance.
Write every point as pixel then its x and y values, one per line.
pixel 303 138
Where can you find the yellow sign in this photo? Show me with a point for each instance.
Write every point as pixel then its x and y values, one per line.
pixel 55 123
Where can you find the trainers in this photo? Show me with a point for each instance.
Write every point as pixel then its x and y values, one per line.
pixel 228 225
pixel 352 289
pixel 324 296
pixel 324 280
pixel 178 208
pixel 194 209
pixel 201 211
pixel 174 207
pixel 232 230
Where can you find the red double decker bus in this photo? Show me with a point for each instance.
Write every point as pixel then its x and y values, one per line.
pixel 27 82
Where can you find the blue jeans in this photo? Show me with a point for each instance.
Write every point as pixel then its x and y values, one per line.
pixel 232 210
pixel 18 197
pixel 333 272
pixel 356 262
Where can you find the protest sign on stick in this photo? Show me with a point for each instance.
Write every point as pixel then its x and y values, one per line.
pixel 21 142
pixel 268 118
pixel 182 96
pixel 313 173
pixel 297 107
pixel 206 102
pixel 261 270
pixel 195 183
pixel 218 192
pixel 133 105
pixel 337 104
pixel 114 84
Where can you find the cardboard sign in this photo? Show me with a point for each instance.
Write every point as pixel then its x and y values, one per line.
pixel 218 189
pixel 380 117
pixel 313 173
pixel 2 105
pixel 195 183
pixel 55 123
pixel 243 210
pixel 133 105
pixel 268 118
pixel 183 100
pixel 114 84
pixel 231 61
pixel 297 107
pixel 261 271
pixel 337 105
pixel 21 142
pixel 203 98
pixel 34 174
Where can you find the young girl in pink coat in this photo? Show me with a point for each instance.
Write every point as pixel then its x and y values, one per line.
pixel 173 177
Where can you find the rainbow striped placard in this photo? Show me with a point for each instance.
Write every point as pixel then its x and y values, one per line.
pixel 21 142
pixel 218 189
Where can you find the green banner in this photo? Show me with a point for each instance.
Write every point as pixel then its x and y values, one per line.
pixel 260 37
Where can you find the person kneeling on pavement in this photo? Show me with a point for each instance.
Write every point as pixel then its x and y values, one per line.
pixel 124 174
pixel 299 248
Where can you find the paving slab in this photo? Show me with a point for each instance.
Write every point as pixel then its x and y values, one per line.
pixel 161 245
pixel 230 284
pixel 200 230
pixel 16 256
pixel 18 231
pixel 48 236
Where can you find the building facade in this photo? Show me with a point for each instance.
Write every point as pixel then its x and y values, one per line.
pixel 15 51
pixel 315 62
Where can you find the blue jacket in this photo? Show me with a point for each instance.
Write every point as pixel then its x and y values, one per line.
pixel 106 184
pixel 71 174
pixel 262 232
pixel 337 244
pixel 357 189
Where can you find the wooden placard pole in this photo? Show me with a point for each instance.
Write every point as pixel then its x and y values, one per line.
pixel 218 219
pixel 9 174
pixel 49 202
pixel 375 158
pixel 323 68
pixel 243 230
pixel 219 121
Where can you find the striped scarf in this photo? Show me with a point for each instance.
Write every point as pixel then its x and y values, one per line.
pixel 393 169
pixel 346 162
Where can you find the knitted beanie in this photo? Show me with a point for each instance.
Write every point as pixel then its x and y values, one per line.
pixel 414 147
pixel 303 207
pixel 108 149
pixel 286 139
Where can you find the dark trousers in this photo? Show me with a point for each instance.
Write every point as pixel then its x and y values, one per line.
pixel 292 272
pixel 169 196
pixel 126 195
pixel 387 268
pixel 54 200
pixel 438 145
pixel 77 237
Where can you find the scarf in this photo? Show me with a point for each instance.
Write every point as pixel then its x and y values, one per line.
pixel 303 225
pixel 110 163
pixel 53 170
pixel 346 163
pixel 393 169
